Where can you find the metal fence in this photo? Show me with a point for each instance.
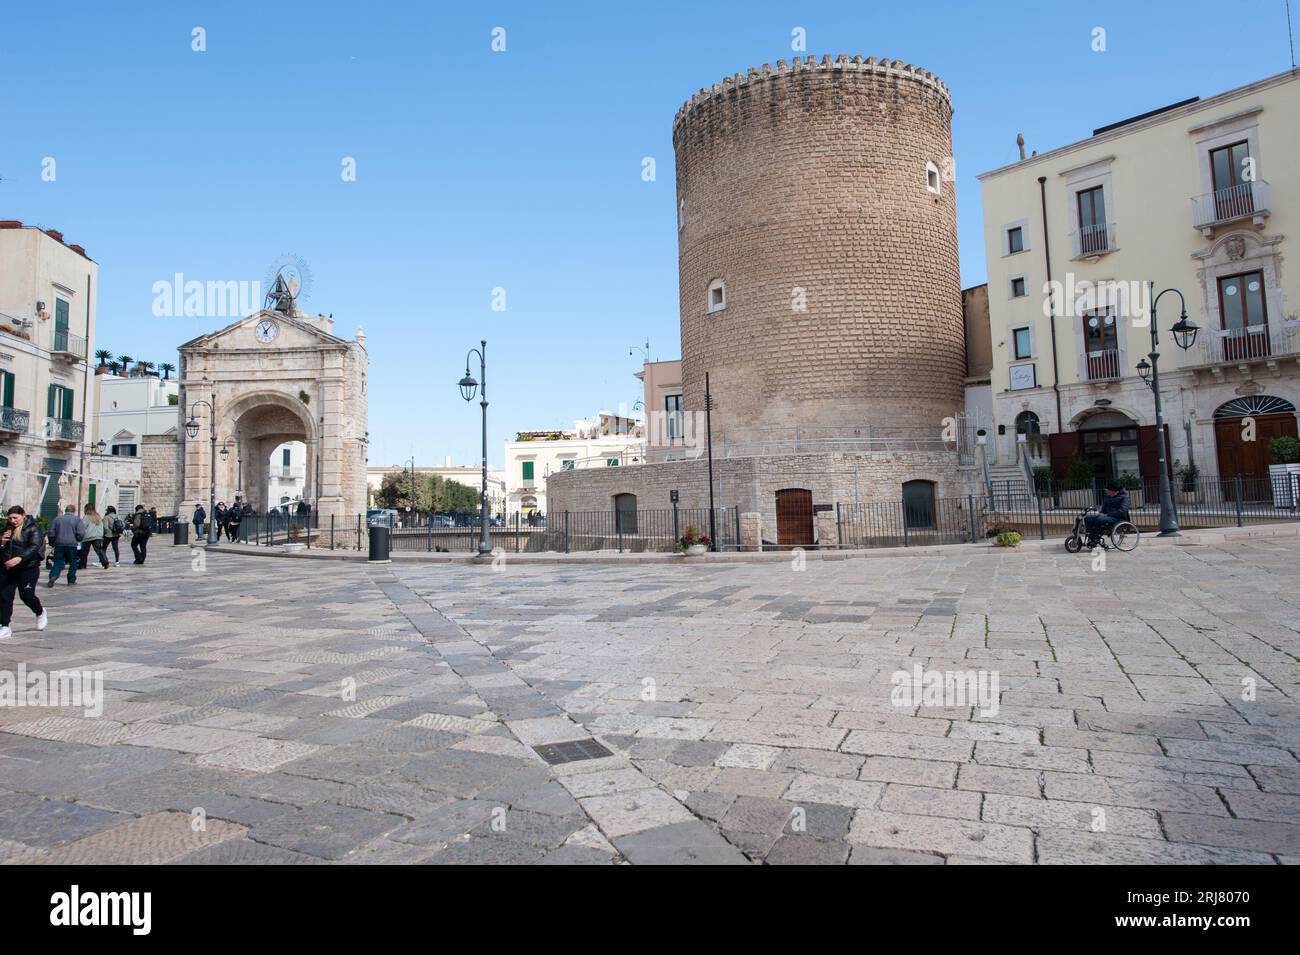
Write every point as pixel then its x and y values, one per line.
pixel 1050 507
pixel 566 532
pixel 909 524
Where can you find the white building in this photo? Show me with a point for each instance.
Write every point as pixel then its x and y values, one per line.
pixel 48 295
pixel 468 475
pixel 607 440
pixel 1203 197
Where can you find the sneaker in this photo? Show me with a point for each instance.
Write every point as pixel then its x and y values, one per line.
pixel 115 563
pixel 42 621
pixel 50 582
pixel 5 633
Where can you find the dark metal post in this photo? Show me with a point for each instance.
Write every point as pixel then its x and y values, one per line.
pixel 736 510
pixel 1236 493
pixel 516 532
pixel 1168 518
pixel 902 509
pixel 708 425
pixel 970 502
pixel 331 532
pixel 677 533
pixel 566 532
pixel 1042 529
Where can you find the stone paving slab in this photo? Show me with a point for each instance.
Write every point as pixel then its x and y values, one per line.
pixel 750 711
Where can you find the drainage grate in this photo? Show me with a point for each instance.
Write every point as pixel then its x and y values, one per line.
pixel 572 751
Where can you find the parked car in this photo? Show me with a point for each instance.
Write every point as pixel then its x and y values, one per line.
pixel 381 517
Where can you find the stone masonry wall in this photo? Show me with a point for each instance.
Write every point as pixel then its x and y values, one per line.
pixel 813 177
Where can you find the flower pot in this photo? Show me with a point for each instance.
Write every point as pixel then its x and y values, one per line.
pixel 695 550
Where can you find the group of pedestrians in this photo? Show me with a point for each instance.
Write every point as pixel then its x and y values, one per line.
pixel 226 519
pixel 71 540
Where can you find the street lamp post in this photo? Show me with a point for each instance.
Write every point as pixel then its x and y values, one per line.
pixel 1184 333
pixel 410 507
pixel 192 429
pixel 467 388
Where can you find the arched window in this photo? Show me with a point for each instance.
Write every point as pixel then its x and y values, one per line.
pixel 1027 423
pixel 717 295
pixel 625 513
pixel 1253 405
pixel 918 503
pixel 932 181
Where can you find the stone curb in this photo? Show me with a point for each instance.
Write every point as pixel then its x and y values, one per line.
pixel 1188 538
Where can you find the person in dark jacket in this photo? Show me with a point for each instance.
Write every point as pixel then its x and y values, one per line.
pixel 141 528
pixel 65 537
pixel 1114 508
pixel 234 515
pixel 113 528
pixel 200 515
pixel 22 546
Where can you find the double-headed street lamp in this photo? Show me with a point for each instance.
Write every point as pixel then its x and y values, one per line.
pixel 467 388
pixel 192 429
pixel 1184 333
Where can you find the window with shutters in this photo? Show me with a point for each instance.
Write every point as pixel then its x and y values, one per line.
pixel 59 402
pixel 6 389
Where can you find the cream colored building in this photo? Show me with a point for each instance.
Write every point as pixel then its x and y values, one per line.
pixel 1203 197
pixel 48 295
pixel 468 475
pixel 608 440
pixel 665 419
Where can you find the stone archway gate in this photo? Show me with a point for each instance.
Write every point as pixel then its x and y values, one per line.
pixel 275 377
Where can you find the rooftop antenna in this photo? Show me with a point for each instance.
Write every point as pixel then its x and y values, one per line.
pixel 1289 38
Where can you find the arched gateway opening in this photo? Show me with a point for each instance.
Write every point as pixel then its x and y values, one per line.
pixel 265 425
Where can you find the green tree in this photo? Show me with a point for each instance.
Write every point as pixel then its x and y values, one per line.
pixel 103 354
pixel 166 368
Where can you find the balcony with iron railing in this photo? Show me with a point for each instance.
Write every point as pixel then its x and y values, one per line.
pixel 68 346
pixel 1239 346
pixel 64 430
pixel 14 421
pixel 1093 240
pixel 1103 364
pixel 1246 200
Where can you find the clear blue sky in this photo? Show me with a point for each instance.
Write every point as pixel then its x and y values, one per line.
pixel 519 169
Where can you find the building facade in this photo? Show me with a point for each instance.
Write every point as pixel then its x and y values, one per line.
pixel 1202 197
pixel 48 295
pixel 661 399
pixel 605 441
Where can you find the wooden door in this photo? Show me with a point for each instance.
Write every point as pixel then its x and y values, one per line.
pixel 1250 459
pixel 794 517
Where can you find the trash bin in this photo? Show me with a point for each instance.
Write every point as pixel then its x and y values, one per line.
pixel 379 541
pixel 181 532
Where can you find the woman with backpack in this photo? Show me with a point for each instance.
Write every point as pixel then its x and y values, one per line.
pixel 113 528
pixel 21 547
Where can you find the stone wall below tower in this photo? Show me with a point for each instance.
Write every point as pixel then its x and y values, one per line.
pixel 159 473
pixel 751 483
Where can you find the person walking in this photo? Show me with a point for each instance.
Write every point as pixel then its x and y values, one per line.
pixel 93 539
pixel 113 528
pixel 65 537
pixel 200 515
pixel 22 546
pixel 140 531
pixel 233 518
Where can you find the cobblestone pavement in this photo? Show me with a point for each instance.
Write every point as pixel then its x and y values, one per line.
pixel 265 710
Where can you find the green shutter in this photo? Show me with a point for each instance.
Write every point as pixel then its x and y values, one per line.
pixel 90 497
pixel 4 461
pixel 60 315
pixel 67 404
pixel 528 470
pixel 49 402
pixel 7 394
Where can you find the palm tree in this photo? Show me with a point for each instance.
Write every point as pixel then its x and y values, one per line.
pixel 125 362
pixel 103 354
pixel 145 368
pixel 166 368
pixel 114 367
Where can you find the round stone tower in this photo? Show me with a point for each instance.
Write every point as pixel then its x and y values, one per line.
pixel 817 236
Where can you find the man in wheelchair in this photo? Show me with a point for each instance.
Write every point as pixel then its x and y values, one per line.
pixel 1114 508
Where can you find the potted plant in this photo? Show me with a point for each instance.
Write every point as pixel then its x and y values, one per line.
pixel 1284 472
pixel 1186 474
pixel 1079 492
pixel 1133 484
pixel 1043 483
pixel 694 543
pixel 1007 539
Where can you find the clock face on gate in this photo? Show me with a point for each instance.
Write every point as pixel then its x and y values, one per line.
pixel 266 331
